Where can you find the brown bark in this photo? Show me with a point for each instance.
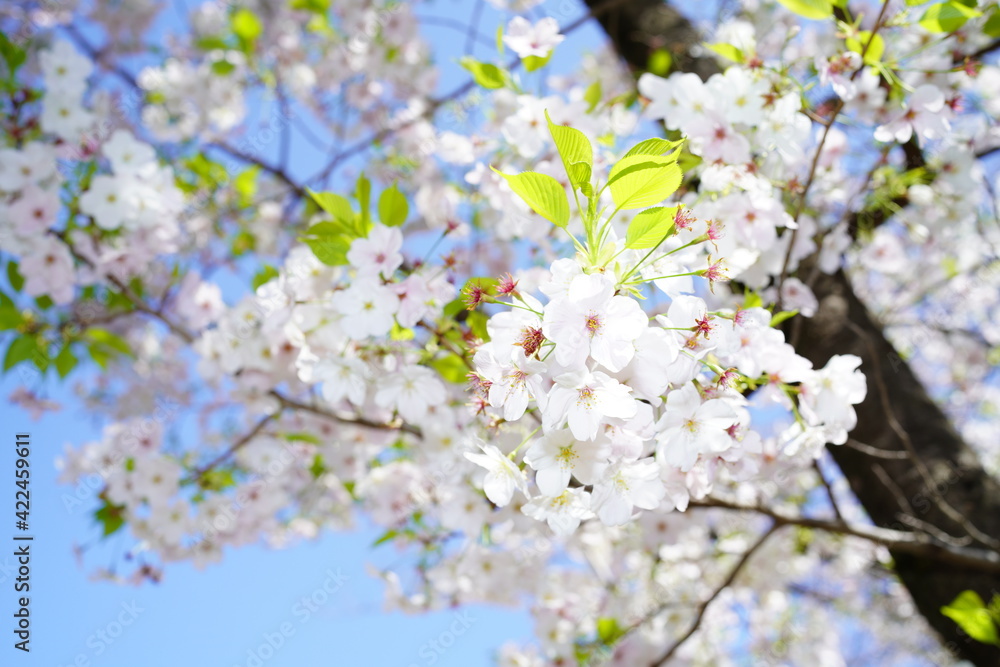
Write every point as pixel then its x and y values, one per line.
pixel 944 488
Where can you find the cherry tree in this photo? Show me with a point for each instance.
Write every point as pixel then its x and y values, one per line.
pixel 686 347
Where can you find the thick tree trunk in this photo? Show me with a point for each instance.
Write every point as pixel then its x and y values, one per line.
pixel 897 415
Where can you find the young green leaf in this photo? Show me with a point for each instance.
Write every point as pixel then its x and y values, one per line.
pixel 20 349
pixel 335 205
pixel 247 27
pixel 363 193
pixel 654 146
pixel 592 96
pixel 575 150
pixel 650 227
pixel 778 318
pixel 330 242
pixel 810 9
pixel 639 181
pixel 542 193
pixel 875 50
pixel 727 51
pixel 969 611
pixel 65 362
pixel 452 368
pixel 947 17
pixel 486 75
pixel 532 63
pixel 108 339
pixel 392 207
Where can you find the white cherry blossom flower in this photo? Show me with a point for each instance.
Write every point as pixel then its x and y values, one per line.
pixel 503 477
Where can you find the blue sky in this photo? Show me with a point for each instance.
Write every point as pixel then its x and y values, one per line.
pixel 234 613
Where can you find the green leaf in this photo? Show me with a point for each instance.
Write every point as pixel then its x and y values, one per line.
pixel 654 146
pixel 392 207
pixel 452 368
pixel 264 276
pixel 14 276
pixel 486 75
pixel 222 68
pixel 329 241
pixel 575 150
pixel 302 436
pixel 659 62
pixel 247 27
pixel 246 185
pixel 542 193
pixel 317 468
pixel 992 25
pixel 107 339
pixel 65 362
pixel 969 611
pixel 947 17
pixel 592 96
pixel 638 181
pixel 10 317
pixel 217 480
pixel 650 227
pixel 727 51
pixel 532 63
pixel 363 193
pixel 608 630
pixel 12 54
pixel 111 517
pixel 314 6
pixel 778 318
pixel 386 536
pixel 400 333
pixel 876 48
pixel 337 206
pixel 810 9
pixel 914 3
pixel 20 349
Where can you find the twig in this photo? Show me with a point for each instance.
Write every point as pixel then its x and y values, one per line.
pixel 733 573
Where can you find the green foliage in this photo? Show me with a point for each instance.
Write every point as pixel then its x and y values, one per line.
pixel 246 185
pixel 486 75
pixel 14 276
pixel 532 63
pixel 264 276
pixel 592 96
pixel 575 150
pixel 110 516
pixel 329 241
pixel 947 17
pixel 14 56
pixel 659 62
pixel 27 347
pixel 542 193
pixel 247 27
pixel 727 51
pixel 876 47
pixel 637 181
pixel 65 361
pixel 654 146
pixel 972 615
pixel 452 368
pixel 810 9
pixel 651 227
pixel 392 207
pixel 778 318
